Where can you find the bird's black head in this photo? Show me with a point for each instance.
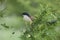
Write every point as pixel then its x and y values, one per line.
pixel 25 13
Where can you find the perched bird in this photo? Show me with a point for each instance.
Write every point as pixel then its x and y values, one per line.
pixel 27 17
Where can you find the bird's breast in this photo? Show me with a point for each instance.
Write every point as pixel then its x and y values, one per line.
pixel 26 18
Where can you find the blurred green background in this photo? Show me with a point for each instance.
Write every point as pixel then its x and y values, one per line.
pixel 46 25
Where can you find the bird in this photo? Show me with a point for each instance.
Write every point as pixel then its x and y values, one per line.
pixel 27 17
